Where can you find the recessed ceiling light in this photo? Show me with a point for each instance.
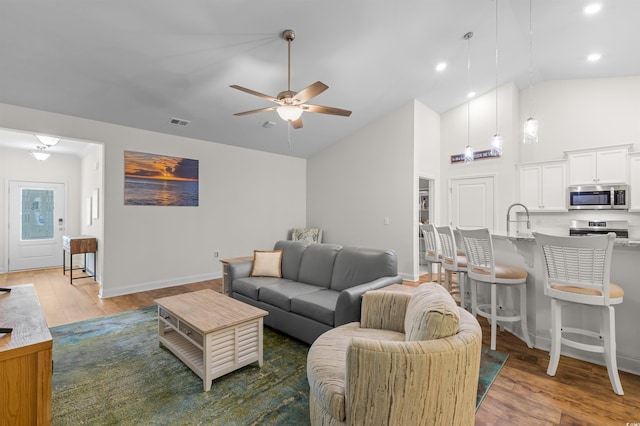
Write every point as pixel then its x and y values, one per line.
pixel 592 9
pixel 441 66
pixel 471 95
pixel 594 57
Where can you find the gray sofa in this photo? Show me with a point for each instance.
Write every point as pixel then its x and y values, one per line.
pixel 321 286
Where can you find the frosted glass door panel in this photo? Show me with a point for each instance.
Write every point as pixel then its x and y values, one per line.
pixel 37 214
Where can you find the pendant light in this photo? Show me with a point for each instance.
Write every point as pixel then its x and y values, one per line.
pixel 496 140
pixel 468 151
pixel 530 130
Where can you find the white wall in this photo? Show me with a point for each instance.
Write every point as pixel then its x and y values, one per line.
pixel 483 127
pixel 576 114
pixel 92 171
pixel 20 165
pixel 354 185
pixel 248 200
pixel 426 165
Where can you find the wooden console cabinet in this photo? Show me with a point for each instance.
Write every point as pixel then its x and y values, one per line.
pixel 25 359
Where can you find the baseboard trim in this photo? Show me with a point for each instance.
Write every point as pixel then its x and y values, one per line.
pixel 155 285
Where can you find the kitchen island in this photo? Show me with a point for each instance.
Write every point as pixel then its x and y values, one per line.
pixel 521 249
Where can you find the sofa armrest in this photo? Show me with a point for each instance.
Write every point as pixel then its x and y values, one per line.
pixel 350 299
pixel 384 310
pixel 239 270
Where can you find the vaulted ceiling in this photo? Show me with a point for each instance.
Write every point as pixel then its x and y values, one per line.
pixel 139 63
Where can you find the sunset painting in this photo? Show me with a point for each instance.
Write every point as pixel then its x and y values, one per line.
pixel 159 180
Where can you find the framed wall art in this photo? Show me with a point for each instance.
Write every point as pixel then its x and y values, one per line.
pixel 159 180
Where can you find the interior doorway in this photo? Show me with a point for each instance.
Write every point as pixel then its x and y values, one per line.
pixel 472 202
pixel 425 215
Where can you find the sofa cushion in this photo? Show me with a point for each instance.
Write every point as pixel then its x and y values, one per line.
pixel 291 257
pixel 317 262
pixel 359 265
pixel 281 293
pixel 431 314
pixel 251 286
pixel 326 364
pixel 318 305
pixel 267 263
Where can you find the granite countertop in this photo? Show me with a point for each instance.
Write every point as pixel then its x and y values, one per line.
pixel 528 236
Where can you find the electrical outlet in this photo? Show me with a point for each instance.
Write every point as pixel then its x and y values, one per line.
pixel 216 254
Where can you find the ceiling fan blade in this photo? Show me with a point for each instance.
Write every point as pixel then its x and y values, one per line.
pixel 296 124
pixel 326 110
pixel 310 92
pixel 254 93
pixel 255 110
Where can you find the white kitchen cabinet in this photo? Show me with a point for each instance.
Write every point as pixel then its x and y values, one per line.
pixel 598 167
pixel 634 182
pixel 543 186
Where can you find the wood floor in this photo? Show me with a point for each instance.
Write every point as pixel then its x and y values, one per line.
pixel 522 394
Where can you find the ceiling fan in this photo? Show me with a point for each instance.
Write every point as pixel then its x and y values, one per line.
pixel 292 104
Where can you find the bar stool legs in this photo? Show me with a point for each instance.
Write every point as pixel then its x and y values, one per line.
pixel 492 314
pixel 607 334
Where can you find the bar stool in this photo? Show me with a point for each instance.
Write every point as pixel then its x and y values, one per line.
pixel 453 260
pixel 481 268
pixel 577 271
pixel 431 250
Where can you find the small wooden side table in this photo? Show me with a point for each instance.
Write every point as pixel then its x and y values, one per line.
pixel 81 244
pixel 226 282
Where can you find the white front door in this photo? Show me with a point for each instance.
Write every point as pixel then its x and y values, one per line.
pixel 471 202
pixel 36 224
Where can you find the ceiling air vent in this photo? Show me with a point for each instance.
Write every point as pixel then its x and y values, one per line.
pixel 179 121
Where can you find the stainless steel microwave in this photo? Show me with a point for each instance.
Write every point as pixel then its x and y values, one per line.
pixel 598 197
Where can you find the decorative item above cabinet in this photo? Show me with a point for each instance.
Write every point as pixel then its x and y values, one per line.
pixel 598 166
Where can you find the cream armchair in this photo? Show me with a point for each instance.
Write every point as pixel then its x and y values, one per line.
pixel 414 359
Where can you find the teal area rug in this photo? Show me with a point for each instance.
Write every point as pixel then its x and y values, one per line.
pixel 111 371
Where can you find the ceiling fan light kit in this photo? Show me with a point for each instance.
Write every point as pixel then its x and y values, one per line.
pixel 292 104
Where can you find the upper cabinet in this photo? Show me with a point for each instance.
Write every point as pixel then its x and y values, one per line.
pixel 598 166
pixel 634 182
pixel 543 186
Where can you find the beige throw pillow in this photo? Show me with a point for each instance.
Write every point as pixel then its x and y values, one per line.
pixel 267 263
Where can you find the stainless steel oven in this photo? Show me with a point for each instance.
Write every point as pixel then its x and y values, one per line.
pixel 598 197
pixel 598 227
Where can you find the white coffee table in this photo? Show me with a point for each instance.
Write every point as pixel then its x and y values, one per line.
pixel 211 333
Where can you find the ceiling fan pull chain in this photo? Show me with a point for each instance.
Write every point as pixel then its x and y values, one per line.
pixel 289 137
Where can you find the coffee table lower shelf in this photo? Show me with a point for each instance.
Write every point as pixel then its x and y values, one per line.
pixel 224 350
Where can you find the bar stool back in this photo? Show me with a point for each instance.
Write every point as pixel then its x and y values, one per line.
pixel 481 268
pixel 431 249
pixel 577 271
pixel 453 260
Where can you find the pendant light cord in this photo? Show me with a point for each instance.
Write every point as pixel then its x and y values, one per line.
pixel 468 36
pixel 530 59
pixel 496 67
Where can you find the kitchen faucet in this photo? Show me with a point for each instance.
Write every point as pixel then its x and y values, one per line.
pixel 526 211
